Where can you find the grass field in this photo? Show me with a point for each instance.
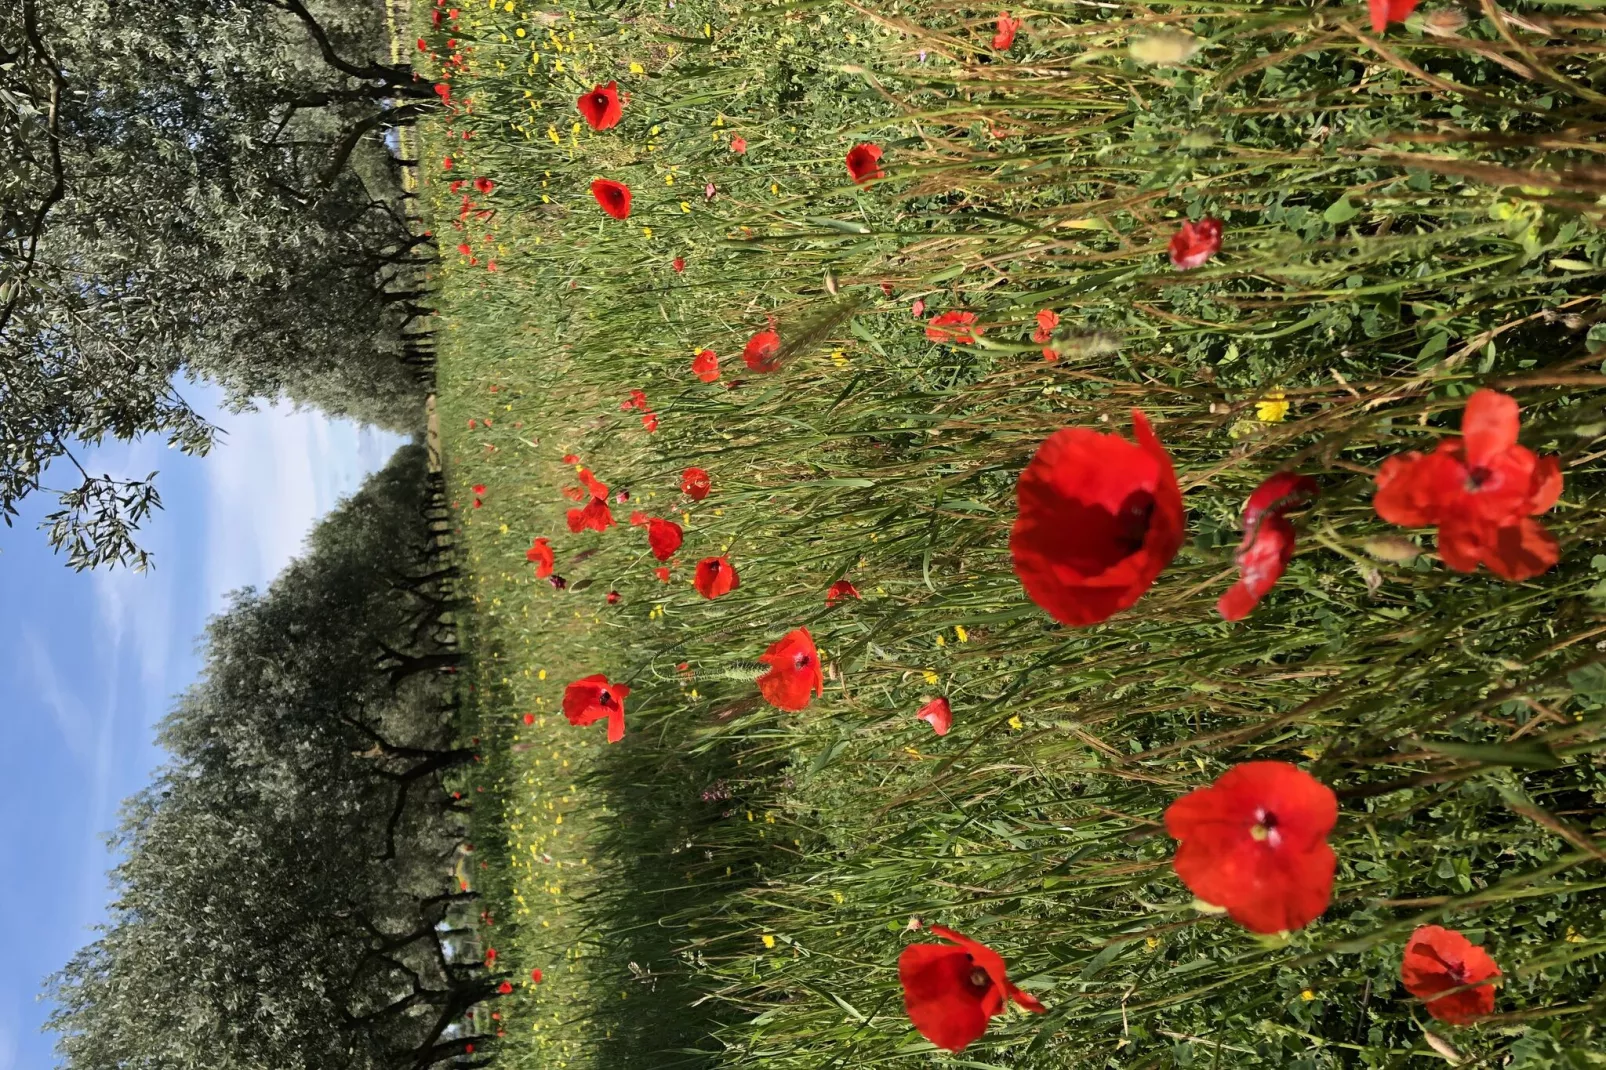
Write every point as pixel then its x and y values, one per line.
pixel 1408 215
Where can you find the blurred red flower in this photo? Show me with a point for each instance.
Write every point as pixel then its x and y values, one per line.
pixel 715 576
pixel 738 145
pixel 695 483
pixel 1384 12
pixel 1047 320
pixel 650 421
pixel 762 351
pixel 569 458
pixel 597 489
pixel 536 976
pixel 637 518
pixel 613 598
pixel 938 714
pixel 950 992
pixel 596 516
pixel 505 988
pixel 1194 243
pixel 529 718
pixel 1255 843
pixel 794 675
pixel 953 326
pixel 839 590
pixel 592 698
pixel 541 554
pixel 1005 37
pixel 484 185
pixel 679 264
pixel 864 162
pixel 1481 490
pixel 574 494
pixel 637 400
pixel 1099 518
pixel 664 536
pixel 600 107
pixel 705 365
pixel 1438 959
pixel 662 574
pixel 613 197
pixel 1268 541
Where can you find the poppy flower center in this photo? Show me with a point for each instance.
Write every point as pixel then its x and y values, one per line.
pixel 1101 539
pixel 604 698
pixel 713 567
pixel 978 980
pixel 598 100
pixel 800 661
pixel 1476 478
pixel 1264 829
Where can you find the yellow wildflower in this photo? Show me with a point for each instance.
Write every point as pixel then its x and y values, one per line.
pixel 1271 409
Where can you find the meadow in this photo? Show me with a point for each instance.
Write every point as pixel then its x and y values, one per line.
pixel 1407 213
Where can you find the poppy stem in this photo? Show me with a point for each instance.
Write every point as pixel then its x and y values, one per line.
pixel 747 671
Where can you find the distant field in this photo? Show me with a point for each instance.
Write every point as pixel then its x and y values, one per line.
pixel 1406 216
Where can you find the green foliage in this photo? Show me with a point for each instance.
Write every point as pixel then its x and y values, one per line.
pixel 201 195
pixel 1406 219
pixel 281 897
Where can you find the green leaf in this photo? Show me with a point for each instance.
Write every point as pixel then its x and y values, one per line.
pixel 1341 211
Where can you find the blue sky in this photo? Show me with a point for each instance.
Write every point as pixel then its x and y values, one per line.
pixel 92 661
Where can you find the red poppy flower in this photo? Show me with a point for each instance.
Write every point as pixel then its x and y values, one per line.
pixel 600 107
pixel 529 718
pixel 490 952
pixel 1194 243
pixel 637 400
pixel 613 598
pixel 598 489
pixel 1099 518
pixel 505 988
pixel 596 516
pixel 918 309
pixel 1047 320
pixel 715 576
pixel 478 503
pixel 1438 959
pixel 705 365
pixel 794 676
pixel 739 145
pixel 637 518
pixel 679 264
pixel 1255 843
pixel 446 163
pixel 569 458
pixel 953 326
pixel 650 421
pixel 536 976
pixel 864 162
pixel 484 185
pixel 952 992
pixel 695 484
pixel 591 699
pixel 839 590
pixel 664 537
pixel 614 197
pixel 423 45
pixel 1481 491
pixel 479 488
pixel 1006 31
pixel 662 574
pixel 762 351
pixel 1268 541
pixel 541 554
pixel 1384 12
pixel 938 714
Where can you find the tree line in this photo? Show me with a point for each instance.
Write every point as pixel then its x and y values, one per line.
pixel 202 191
pixel 285 893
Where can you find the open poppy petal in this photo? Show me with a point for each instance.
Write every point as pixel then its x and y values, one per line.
pixel 663 537
pixel 762 352
pixel 1255 843
pixel 938 714
pixel 601 108
pixel 1384 12
pixel 864 162
pixel 715 576
pixel 794 675
pixel 1439 960
pixel 613 197
pixel 950 993
pixel 592 698
pixel 1098 518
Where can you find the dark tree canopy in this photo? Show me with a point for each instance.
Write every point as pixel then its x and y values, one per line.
pixel 199 193
pixel 283 896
